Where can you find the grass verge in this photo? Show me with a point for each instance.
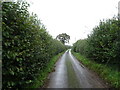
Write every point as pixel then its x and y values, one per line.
pixel 44 73
pixel 107 73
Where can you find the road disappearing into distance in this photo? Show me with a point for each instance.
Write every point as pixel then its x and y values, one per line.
pixel 70 73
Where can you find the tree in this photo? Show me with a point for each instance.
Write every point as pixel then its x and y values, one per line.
pixel 64 38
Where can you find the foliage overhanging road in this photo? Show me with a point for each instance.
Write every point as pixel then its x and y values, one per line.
pixel 69 73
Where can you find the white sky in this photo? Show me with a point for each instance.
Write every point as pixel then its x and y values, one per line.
pixel 77 18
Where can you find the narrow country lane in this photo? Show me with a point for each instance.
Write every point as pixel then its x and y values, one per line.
pixel 70 73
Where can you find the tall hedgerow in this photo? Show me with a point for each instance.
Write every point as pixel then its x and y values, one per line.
pixel 27 47
pixel 103 44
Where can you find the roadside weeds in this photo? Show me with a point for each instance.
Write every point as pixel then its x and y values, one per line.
pixel 42 79
pixel 107 73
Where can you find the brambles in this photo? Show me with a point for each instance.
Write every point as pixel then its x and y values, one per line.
pixel 27 47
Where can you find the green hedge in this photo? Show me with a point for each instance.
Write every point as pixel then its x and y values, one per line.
pixel 27 47
pixel 103 44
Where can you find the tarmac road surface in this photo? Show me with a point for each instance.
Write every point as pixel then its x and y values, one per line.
pixel 70 73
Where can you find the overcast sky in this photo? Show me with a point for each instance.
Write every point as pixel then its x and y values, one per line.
pixel 77 18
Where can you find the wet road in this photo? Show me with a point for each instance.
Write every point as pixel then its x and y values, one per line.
pixel 70 73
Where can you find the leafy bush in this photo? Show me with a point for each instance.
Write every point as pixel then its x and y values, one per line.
pixel 80 46
pixel 103 44
pixel 27 47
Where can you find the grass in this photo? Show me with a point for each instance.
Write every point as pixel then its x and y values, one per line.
pixel 73 82
pixel 107 73
pixel 44 73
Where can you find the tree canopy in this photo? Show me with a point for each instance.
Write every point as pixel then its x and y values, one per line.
pixel 64 38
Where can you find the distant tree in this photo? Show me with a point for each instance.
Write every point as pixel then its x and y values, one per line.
pixel 64 38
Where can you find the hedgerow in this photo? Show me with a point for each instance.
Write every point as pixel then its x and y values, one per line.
pixel 27 47
pixel 103 44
